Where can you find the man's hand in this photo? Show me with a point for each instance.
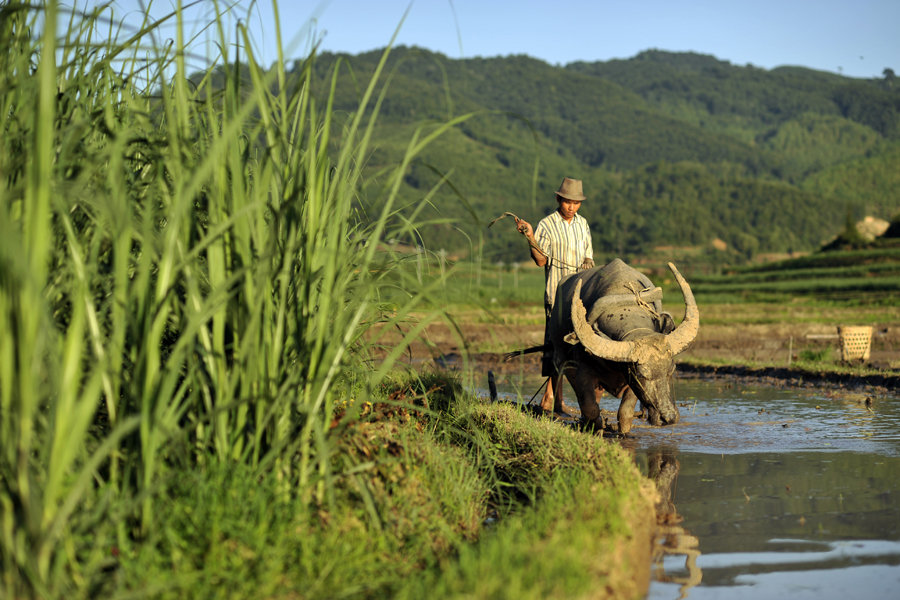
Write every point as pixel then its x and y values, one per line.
pixel 524 228
pixel 537 255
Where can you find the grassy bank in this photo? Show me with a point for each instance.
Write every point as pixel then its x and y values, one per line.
pixel 450 497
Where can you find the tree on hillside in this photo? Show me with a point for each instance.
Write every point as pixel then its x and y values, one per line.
pixel 849 239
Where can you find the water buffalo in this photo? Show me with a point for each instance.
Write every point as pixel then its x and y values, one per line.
pixel 623 344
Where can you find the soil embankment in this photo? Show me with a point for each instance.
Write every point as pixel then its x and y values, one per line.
pixel 876 383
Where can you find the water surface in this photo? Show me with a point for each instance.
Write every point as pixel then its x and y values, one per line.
pixel 770 492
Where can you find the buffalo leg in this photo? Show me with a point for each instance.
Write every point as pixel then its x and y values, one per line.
pixel 587 390
pixel 626 410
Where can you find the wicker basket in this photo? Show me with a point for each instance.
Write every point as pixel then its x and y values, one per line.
pixel 856 343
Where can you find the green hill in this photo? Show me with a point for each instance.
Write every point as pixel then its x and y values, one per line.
pixel 674 148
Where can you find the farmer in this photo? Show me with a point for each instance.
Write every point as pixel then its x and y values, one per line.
pixel 562 245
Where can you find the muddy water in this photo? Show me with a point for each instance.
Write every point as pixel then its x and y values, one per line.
pixel 772 493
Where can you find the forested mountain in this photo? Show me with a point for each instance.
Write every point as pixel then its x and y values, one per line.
pixel 675 149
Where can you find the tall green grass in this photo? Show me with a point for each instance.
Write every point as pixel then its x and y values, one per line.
pixel 184 280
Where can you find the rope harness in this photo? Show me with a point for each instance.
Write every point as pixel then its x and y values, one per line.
pixel 633 288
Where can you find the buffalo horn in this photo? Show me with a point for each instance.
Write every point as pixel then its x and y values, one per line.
pixel 598 345
pixel 684 334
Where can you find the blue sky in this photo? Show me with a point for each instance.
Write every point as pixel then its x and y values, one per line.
pixel 857 38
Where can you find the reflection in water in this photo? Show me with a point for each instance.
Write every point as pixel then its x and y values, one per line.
pixel 790 493
pixel 671 539
pixel 772 523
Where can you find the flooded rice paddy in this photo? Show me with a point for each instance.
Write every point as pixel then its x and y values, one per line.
pixel 769 492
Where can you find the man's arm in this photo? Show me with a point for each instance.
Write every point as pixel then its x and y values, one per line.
pixel 524 227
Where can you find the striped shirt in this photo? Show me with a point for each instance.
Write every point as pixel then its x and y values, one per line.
pixel 566 245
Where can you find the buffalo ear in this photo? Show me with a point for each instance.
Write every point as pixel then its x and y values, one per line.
pixel 665 323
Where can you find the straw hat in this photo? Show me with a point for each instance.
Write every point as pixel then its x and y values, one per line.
pixel 570 189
